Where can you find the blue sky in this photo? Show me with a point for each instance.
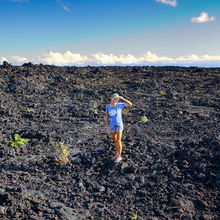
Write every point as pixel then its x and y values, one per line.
pixel 101 32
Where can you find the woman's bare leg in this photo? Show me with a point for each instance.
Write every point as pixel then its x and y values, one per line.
pixel 119 135
pixel 117 146
pixel 117 139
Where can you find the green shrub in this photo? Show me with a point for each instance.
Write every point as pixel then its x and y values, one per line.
pixel 62 153
pixel 18 141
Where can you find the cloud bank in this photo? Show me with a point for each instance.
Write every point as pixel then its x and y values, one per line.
pixel 18 59
pixel 63 59
pixel 168 2
pixel 203 18
pixel 101 59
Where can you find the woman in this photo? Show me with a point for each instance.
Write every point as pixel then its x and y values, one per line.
pixel 114 114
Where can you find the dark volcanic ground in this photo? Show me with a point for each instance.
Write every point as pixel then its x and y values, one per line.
pixel 171 163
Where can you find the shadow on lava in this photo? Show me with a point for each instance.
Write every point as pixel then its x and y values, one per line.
pixel 16 168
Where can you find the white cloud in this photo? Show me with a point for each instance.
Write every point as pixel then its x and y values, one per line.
pixel 196 58
pixel 18 59
pixel 168 2
pixel 98 59
pixel 4 59
pixel 63 6
pixel 147 58
pixel 150 57
pixel 101 58
pixel 15 60
pixel 204 17
pixel 63 59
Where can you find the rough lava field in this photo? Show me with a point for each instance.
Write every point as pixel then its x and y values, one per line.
pixel 171 160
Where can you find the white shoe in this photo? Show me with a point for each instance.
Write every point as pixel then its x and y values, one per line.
pixel 118 159
pixel 114 158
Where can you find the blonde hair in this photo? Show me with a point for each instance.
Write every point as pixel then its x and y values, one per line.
pixel 115 94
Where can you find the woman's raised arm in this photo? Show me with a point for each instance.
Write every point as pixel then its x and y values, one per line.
pixel 127 103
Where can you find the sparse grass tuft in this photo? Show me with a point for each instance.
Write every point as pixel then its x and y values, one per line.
pixel 162 92
pixel 144 118
pixel 134 217
pixel 94 108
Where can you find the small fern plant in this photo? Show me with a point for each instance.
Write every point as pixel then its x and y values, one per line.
pixel 62 153
pixel 18 141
